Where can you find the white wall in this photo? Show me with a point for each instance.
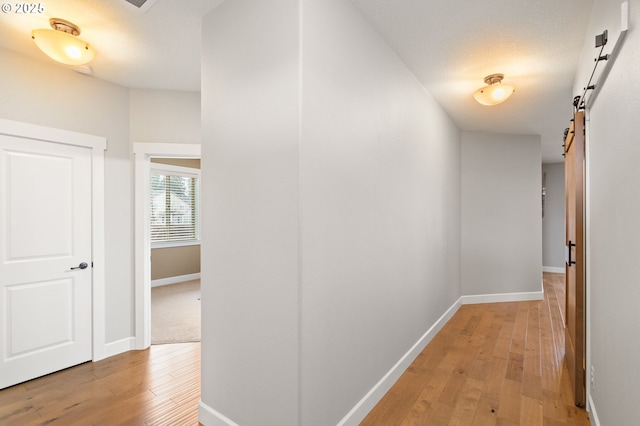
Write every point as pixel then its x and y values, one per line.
pixel 336 181
pixel 501 214
pixel 613 132
pixel 164 116
pixel 44 93
pixel 380 194
pixel 250 191
pixel 553 233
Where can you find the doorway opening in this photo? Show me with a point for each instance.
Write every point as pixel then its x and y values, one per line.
pixel 174 195
pixel 144 153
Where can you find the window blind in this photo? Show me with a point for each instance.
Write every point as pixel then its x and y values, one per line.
pixel 174 207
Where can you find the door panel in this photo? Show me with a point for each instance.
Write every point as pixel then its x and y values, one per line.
pixel 575 266
pixel 45 220
pixel 39 209
pixel 29 334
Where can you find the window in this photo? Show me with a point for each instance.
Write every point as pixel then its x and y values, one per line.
pixel 175 205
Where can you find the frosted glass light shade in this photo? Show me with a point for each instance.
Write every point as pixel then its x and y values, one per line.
pixel 495 92
pixel 63 47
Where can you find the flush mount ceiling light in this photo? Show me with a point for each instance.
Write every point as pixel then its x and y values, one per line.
pixel 62 43
pixel 495 92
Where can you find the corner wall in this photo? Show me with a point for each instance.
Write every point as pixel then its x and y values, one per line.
pixel 336 179
pixel 250 213
pixel 501 215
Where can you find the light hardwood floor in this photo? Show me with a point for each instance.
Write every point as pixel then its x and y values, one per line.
pixel 158 386
pixel 492 364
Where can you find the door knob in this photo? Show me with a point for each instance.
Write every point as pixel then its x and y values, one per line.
pixel 83 265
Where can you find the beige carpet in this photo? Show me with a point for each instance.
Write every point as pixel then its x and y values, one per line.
pixel 175 313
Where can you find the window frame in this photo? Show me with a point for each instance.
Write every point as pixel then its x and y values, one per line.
pixel 170 169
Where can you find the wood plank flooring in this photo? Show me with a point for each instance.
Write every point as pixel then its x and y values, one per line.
pixel 492 364
pixel 158 386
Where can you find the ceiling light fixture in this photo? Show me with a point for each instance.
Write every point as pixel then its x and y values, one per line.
pixel 495 92
pixel 62 43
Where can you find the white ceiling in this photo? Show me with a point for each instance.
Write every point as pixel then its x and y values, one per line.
pixel 159 48
pixel 450 46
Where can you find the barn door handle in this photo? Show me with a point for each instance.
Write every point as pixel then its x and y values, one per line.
pixel 83 265
pixel 571 262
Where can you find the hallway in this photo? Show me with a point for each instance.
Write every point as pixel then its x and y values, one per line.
pixel 492 364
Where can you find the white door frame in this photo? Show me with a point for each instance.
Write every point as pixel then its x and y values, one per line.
pixel 143 152
pixel 97 145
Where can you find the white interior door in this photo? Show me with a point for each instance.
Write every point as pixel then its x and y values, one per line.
pixel 45 236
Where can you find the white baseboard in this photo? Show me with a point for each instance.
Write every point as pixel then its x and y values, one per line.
pixel 119 346
pixel 502 297
pixel 554 269
pixel 210 417
pixel 366 404
pixel 593 415
pixel 175 280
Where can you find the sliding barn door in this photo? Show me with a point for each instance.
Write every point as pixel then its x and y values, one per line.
pixel 575 259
